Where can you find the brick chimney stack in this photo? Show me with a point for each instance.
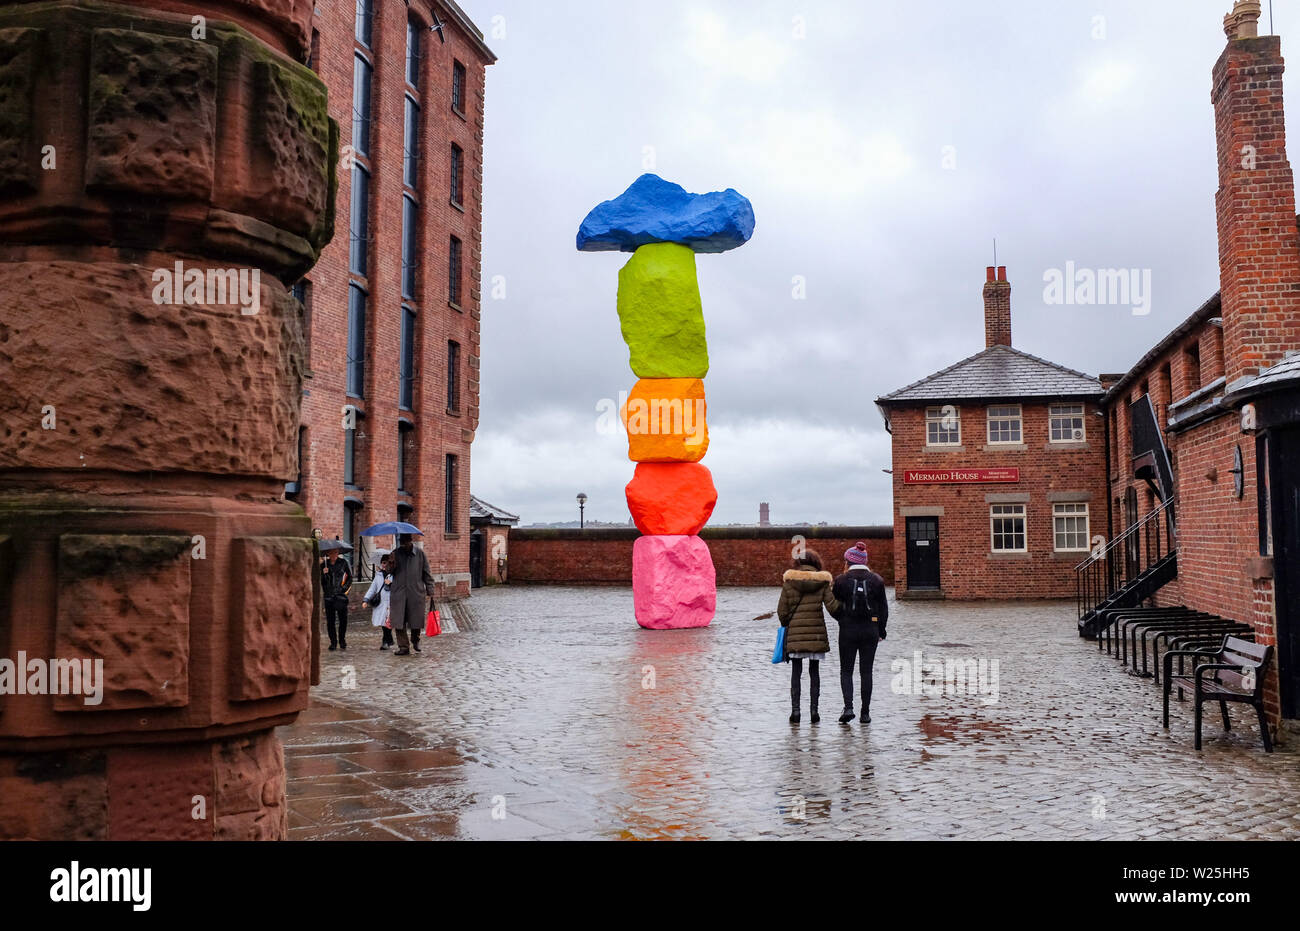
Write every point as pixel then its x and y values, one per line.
pixel 997 308
pixel 1259 248
pixel 764 518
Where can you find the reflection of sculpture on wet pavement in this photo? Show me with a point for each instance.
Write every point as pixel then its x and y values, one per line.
pixel 671 495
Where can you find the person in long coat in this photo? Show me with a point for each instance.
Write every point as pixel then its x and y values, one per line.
pixel 382 586
pixel 408 603
pixel 805 590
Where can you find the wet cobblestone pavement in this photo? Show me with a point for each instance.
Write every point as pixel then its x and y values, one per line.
pixel 555 716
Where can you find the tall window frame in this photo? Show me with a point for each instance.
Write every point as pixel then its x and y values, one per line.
pixel 363 76
pixel 364 27
pixel 1008 528
pixel 410 245
pixel 459 78
pixel 453 377
pixel 450 469
pixel 414 51
pixel 359 222
pixel 411 141
pixel 457 192
pixel 351 451
pixel 1071 527
pixel 406 360
pixel 454 272
pixel 406 456
pixel 356 342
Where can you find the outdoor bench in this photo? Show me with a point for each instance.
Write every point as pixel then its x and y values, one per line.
pixel 1235 673
pixel 1208 630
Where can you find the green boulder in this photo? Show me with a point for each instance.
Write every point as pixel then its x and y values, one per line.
pixel 660 314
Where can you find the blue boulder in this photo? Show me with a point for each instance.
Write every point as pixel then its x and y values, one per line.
pixel 655 210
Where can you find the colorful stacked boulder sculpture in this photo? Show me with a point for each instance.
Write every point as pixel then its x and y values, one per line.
pixel 671 494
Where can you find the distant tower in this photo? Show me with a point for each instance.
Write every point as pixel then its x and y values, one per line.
pixel 764 518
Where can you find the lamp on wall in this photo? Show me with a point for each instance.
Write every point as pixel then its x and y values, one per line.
pixel 582 504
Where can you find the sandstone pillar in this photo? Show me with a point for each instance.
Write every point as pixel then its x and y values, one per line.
pixel 164 173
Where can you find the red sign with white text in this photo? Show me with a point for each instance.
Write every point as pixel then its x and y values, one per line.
pixel 959 476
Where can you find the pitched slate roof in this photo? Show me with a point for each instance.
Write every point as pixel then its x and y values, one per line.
pixel 481 510
pixel 1276 376
pixel 997 372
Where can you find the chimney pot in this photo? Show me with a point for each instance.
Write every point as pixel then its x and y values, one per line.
pixel 990 270
pixel 1002 273
pixel 1243 21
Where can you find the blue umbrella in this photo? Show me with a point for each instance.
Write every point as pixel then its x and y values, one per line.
pixel 390 528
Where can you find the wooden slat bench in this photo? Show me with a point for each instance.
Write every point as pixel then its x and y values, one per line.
pixel 1235 672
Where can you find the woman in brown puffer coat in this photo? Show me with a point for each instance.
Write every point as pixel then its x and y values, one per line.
pixel 805 589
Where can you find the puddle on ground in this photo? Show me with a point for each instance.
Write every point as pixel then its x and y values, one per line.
pixel 953 728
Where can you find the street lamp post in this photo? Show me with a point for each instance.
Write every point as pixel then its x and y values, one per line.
pixel 582 504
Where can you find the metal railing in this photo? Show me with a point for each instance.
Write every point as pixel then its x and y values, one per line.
pixel 1123 560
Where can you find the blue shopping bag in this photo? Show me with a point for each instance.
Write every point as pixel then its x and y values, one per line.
pixel 778 655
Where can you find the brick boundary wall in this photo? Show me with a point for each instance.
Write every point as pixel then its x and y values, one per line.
pixel 741 555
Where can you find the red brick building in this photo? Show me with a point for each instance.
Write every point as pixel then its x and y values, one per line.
pixel 1224 390
pixel 390 404
pixel 999 470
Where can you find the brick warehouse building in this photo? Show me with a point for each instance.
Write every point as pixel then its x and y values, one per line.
pixel 1224 392
pixel 391 402
pixel 999 470
pixel 1188 485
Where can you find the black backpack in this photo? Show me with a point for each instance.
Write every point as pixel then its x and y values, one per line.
pixel 858 606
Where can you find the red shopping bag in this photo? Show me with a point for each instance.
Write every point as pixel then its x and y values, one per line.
pixel 431 627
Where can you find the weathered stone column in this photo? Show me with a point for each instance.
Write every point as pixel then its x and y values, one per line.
pixel 162 177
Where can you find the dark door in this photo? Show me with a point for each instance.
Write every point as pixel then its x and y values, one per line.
pixel 476 559
pixel 1284 481
pixel 922 553
pixel 1132 558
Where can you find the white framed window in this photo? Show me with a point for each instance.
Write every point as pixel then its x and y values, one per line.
pixel 943 426
pixel 1067 423
pixel 1004 424
pixel 1070 526
pixel 1007 525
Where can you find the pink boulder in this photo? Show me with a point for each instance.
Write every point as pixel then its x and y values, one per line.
pixel 671 498
pixel 673 582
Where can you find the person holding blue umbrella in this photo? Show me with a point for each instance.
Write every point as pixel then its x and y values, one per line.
pixel 408 601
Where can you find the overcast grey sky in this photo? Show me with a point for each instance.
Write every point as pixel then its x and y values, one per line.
pixel 1075 139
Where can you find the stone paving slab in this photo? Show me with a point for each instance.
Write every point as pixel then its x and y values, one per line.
pixel 552 715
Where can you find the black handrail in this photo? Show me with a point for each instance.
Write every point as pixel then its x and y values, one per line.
pixel 1138 548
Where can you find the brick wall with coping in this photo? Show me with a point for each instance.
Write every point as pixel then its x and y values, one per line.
pixel 742 556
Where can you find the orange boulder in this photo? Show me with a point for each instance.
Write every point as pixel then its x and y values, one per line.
pixel 671 498
pixel 665 420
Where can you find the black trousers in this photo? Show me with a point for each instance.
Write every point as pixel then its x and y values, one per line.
pixel 336 612
pixel 388 636
pixel 857 642
pixel 814 680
